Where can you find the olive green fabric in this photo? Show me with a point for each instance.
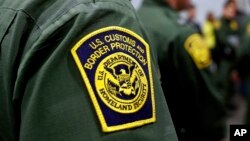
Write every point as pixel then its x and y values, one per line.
pixel 157 1
pixel 225 54
pixel 196 107
pixel 227 40
pixel 243 59
pixel 42 94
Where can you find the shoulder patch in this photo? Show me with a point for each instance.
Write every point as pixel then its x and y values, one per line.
pixel 217 24
pixel 234 25
pixel 115 65
pixel 198 50
pixel 248 29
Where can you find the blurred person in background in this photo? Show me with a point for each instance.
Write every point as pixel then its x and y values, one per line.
pixel 184 59
pixel 242 65
pixel 243 57
pixel 191 19
pixel 224 54
pixel 209 30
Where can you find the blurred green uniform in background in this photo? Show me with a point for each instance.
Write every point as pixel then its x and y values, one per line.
pixel 243 59
pixel 196 106
pixel 225 53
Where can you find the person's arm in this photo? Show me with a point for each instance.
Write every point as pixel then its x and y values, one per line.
pixel 193 60
pixel 65 91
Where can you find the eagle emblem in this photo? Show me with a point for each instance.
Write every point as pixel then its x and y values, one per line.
pixel 115 65
pixel 121 83
pixel 124 82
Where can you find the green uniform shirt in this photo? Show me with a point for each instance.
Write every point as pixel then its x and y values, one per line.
pixel 242 64
pixel 244 51
pixel 195 105
pixel 66 69
pixel 227 39
pixel 225 53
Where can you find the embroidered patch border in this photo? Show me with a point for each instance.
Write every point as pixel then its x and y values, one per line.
pixel 115 65
pixel 248 29
pixel 198 50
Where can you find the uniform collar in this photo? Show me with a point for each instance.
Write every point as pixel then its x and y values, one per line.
pixel 161 2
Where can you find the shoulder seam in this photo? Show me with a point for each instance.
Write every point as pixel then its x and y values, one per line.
pixel 23 11
pixel 118 3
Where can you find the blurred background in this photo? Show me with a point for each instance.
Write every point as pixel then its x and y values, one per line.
pixel 222 26
pixel 204 6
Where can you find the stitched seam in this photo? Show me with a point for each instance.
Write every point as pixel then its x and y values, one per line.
pixel 27 14
pixel 118 3
pixel 23 11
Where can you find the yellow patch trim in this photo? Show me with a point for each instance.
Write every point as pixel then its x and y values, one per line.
pixel 248 29
pixel 234 25
pixel 198 50
pixel 100 115
pixel 217 24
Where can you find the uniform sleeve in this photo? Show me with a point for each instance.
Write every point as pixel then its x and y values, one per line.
pixel 244 51
pixel 206 95
pixel 56 96
pixel 11 43
pixel 200 102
